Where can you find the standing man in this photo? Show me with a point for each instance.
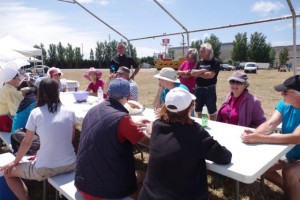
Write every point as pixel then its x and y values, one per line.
pixel 206 72
pixel 288 113
pixel 121 59
pixel 105 163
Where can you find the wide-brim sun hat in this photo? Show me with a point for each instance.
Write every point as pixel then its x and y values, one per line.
pixel 92 69
pixel 168 74
pixel 238 76
pixel 178 99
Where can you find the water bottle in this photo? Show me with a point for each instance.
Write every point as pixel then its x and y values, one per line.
pixel 100 94
pixel 204 117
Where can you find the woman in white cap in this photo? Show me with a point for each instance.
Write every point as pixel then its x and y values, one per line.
pixel 240 107
pixel 178 149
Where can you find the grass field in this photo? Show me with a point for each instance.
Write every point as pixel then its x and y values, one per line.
pixel 262 86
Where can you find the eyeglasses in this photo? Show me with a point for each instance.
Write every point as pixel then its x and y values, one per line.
pixel 233 82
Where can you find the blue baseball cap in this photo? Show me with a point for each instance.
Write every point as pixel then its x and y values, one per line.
pixel 119 88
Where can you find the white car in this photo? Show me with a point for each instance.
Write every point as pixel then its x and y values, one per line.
pixel 250 67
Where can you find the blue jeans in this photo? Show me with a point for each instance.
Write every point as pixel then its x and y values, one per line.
pixel 206 96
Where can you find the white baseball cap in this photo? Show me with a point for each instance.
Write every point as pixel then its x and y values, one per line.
pixel 178 99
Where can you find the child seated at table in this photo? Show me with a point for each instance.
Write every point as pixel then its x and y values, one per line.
pixel 94 76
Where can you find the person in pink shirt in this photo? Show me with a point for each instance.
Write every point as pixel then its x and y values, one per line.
pixel 184 71
pixel 94 76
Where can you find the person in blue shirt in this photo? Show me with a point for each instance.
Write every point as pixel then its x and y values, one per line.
pixel 167 80
pixel 288 113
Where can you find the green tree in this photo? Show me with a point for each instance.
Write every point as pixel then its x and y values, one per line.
pixel 283 56
pixel 60 55
pixel 77 57
pixel 239 51
pixel 215 43
pixel 196 44
pixel 52 55
pixel 92 55
pixel 44 52
pixel 258 49
pixel 272 55
pixel 70 54
pixel 99 54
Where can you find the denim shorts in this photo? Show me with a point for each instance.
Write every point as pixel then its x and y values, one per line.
pixel 206 96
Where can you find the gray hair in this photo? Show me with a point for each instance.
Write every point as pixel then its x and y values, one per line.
pixel 208 48
pixel 194 53
pixel 121 44
pixel 247 84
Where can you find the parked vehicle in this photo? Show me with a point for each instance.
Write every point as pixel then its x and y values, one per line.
pixel 250 67
pixel 226 67
pixel 283 68
pixel 239 67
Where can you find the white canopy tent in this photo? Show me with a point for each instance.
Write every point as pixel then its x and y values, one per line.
pixel 11 48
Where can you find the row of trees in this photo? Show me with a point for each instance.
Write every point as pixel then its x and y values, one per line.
pixel 256 50
pixel 69 57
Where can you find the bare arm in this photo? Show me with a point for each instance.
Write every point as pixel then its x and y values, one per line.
pixel 203 73
pixel 24 147
pixel 184 74
pixel 156 103
pixel 263 133
pixel 107 82
pixel 136 71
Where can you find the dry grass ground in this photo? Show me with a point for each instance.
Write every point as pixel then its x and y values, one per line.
pixel 261 86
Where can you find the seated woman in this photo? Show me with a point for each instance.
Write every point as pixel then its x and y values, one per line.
pixel 19 122
pixel 55 73
pixel 55 126
pixel 240 107
pixel 94 76
pixel 178 149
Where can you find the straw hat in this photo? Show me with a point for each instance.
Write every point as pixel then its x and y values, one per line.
pixel 168 74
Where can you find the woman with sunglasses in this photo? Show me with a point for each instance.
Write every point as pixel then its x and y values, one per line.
pixel 240 107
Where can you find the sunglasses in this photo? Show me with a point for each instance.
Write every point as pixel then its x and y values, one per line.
pixel 285 93
pixel 233 82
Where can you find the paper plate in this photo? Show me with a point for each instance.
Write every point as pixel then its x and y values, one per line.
pixel 134 107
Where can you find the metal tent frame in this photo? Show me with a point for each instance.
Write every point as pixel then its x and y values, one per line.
pixel 293 16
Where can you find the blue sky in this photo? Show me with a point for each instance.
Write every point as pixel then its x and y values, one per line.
pixel 52 21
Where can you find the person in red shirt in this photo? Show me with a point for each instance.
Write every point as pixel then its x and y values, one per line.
pixel 105 164
pixel 94 76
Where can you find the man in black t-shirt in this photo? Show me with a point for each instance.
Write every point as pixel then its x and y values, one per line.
pixel 121 59
pixel 206 72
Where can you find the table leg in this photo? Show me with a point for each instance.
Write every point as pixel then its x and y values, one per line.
pixel 262 183
pixel 237 190
pixel 44 189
